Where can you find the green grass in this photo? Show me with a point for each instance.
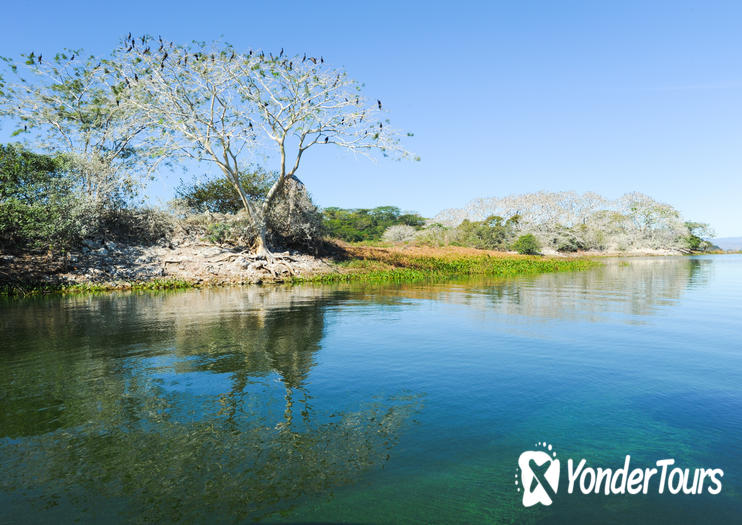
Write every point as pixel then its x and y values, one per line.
pixel 401 268
pixel 88 288
pixel 378 267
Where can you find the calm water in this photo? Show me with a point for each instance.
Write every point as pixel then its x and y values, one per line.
pixel 392 404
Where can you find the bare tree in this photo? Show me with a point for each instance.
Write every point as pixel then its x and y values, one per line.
pixel 210 102
pixel 74 105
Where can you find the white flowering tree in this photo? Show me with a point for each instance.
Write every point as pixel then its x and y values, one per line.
pixel 72 105
pixel 210 102
pixel 634 221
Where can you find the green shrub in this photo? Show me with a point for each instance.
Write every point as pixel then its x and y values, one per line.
pixel 218 232
pixel 493 233
pixel 527 244
pixel 356 225
pixel 218 195
pixel 38 207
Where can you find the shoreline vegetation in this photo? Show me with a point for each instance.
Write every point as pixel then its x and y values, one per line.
pixel 349 264
pixel 73 220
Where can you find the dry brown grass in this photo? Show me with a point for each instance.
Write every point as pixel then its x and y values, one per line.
pixel 375 252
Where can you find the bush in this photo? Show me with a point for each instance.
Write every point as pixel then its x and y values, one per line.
pixel 565 240
pixel 527 245
pixel 135 225
pixel 218 232
pixel 38 208
pixel 356 225
pixel 218 195
pixel 399 233
pixel 435 235
pixel 493 233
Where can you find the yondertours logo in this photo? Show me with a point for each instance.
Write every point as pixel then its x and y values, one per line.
pixel 538 477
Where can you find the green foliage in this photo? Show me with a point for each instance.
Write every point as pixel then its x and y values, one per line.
pixel 527 244
pixel 493 233
pixel 356 225
pixel 397 267
pixel 37 206
pixel 218 232
pixel 694 240
pixel 218 195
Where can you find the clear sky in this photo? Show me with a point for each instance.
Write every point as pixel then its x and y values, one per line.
pixel 503 97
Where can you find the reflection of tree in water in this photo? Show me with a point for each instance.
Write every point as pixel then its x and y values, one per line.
pixel 125 435
pixel 635 286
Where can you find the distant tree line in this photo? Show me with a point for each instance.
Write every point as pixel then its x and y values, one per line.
pixel 360 224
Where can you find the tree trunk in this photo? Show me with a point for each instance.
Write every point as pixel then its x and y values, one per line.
pixel 261 247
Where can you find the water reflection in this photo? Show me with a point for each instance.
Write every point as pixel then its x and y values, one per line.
pixel 219 405
pixel 633 287
pixel 179 406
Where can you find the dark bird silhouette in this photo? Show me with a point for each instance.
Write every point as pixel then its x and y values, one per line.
pixel 322 60
pixel 146 51
pixel 281 53
pixel 304 58
pixel 136 77
pixel 118 102
pixel 314 60
pixel 356 100
pixel 130 48
pixel 25 128
pixel 381 126
pixel 73 58
pixel 327 139
pixel 231 57
pixel 39 58
pixel 250 125
pixel 129 37
pixel 379 103
pixel 291 66
pixel 127 82
pixel 164 57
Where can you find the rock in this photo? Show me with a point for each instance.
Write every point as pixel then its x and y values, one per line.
pixel 91 244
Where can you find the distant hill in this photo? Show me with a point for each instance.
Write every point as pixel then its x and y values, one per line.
pixel 728 243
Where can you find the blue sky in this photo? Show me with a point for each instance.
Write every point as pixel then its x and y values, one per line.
pixel 503 97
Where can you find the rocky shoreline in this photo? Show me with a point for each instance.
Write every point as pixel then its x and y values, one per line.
pixel 111 264
pixel 184 262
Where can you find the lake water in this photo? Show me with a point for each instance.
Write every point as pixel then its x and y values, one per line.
pixel 386 404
